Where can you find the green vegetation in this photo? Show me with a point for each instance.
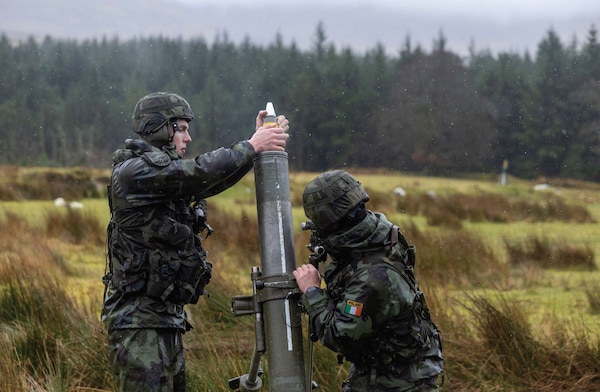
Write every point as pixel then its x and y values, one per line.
pixel 510 275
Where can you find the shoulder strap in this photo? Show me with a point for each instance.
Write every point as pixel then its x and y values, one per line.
pixel 397 236
pixel 157 158
pixel 109 193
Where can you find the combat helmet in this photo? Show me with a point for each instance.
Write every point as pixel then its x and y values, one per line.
pixel 153 112
pixel 331 196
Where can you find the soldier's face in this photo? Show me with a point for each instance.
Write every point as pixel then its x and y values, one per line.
pixel 181 136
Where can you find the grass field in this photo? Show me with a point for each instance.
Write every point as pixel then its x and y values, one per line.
pixel 513 317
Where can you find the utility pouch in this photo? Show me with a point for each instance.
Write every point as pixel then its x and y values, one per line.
pixel 162 270
pixel 178 277
pixel 172 232
pixel 194 274
pixel 408 348
pixel 128 273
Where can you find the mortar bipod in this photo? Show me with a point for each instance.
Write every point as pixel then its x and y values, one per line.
pixel 264 289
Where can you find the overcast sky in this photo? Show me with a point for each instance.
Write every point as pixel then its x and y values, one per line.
pixel 498 8
pixel 497 25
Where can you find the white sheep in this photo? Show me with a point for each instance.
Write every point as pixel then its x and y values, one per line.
pixel 61 202
pixel 400 191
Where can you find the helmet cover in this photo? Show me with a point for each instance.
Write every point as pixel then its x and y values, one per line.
pixel 330 196
pixel 152 113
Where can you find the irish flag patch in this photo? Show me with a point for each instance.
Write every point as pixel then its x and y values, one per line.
pixel 354 308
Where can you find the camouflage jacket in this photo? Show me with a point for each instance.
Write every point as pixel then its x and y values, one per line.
pixel 151 233
pixel 372 311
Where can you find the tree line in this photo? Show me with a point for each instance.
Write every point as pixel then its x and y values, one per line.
pixel 69 103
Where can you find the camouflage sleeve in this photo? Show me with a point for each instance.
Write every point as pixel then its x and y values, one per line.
pixel 150 180
pixel 241 162
pixel 368 301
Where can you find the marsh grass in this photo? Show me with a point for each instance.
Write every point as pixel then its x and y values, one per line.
pixel 22 247
pixel 451 209
pixel 501 352
pixel 37 183
pixel 76 226
pixel 545 253
pixel 51 338
pixel 591 293
pixel 51 342
pixel 455 259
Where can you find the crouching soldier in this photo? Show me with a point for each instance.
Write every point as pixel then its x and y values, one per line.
pixel 371 312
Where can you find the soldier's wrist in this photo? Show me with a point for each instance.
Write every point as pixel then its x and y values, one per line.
pixel 311 289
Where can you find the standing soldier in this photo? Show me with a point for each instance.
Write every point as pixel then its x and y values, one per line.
pixel 156 263
pixel 372 311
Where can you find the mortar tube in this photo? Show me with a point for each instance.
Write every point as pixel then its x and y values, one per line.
pixel 281 316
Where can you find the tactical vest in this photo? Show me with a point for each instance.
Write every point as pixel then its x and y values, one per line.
pixel 408 336
pixel 155 250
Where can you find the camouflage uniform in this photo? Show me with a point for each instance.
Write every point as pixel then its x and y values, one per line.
pixel 156 261
pixel 372 311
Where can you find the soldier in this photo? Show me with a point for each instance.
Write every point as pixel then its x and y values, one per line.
pixel 156 263
pixel 371 311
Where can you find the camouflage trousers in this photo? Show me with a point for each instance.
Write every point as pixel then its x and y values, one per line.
pixel 364 381
pixel 149 360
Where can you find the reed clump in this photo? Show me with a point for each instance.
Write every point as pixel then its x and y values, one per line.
pixel 545 253
pixel 450 209
pixel 51 341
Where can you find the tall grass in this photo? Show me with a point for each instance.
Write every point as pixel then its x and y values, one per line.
pixel 51 338
pixel 75 226
pixel 50 342
pixel 36 183
pixel 449 209
pixel 550 254
pixel 591 292
pixel 455 259
pixel 499 351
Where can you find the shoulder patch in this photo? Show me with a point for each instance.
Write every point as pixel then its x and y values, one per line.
pixel 157 158
pixel 354 308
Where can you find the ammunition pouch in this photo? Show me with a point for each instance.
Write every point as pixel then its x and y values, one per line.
pixel 407 349
pixel 172 232
pixel 178 277
pixel 405 340
pixel 177 272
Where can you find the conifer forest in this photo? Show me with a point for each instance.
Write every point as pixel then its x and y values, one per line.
pixel 69 103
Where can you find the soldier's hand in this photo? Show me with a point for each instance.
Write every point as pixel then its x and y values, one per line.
pixel 270 137
pixel 283 123
pixel 307 276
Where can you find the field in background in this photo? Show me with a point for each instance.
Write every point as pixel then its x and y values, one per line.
pixel 509 272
